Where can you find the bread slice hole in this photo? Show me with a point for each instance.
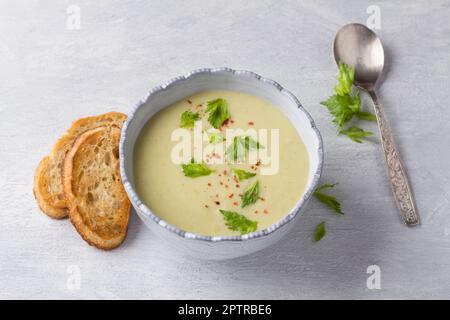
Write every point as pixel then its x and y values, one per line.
pixel 115 152
pixel 89 198
pixel 107 159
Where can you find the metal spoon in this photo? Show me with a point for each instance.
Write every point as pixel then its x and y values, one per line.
pixel 358 46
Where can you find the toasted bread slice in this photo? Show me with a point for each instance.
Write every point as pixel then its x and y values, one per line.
pixel 48 189
pixel 98 204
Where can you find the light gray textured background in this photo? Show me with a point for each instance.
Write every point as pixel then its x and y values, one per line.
pixel 50 75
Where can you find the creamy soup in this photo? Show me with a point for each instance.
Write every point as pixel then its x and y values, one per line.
pixel 209 196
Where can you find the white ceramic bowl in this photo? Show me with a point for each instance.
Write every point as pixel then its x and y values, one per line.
pixel 225 247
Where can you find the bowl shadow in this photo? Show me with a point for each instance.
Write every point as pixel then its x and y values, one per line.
pixel 135 225
pixel 296 267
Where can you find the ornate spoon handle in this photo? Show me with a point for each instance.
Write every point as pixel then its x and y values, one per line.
pixel 397 174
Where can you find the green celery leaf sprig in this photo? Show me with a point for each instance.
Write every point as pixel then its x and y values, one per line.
pixel 346 104
pixel 238 222
pixel 331 202
pixel 320 231
pixel 188 119
pixel 251 194
pixel 328 200
pixel 195 170
pixel 241 146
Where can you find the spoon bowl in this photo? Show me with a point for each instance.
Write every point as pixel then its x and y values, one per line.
pixel 358 46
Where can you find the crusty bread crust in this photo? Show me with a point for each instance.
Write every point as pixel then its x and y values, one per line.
pixel 40 184
pixel 47 188
pixel 98 204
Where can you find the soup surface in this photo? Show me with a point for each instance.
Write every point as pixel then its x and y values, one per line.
pixel 212 198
